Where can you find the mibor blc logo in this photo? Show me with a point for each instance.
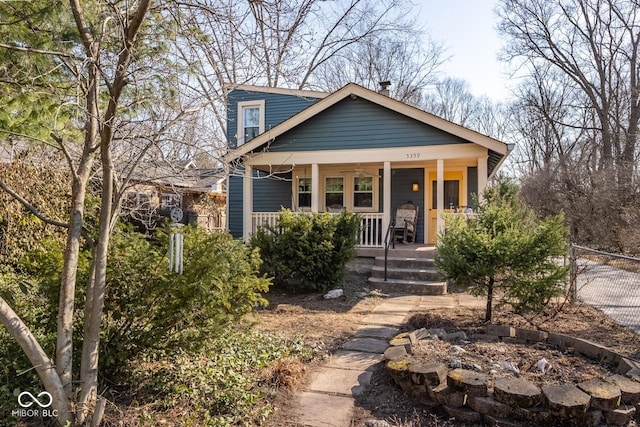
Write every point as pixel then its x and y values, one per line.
pixel 35 406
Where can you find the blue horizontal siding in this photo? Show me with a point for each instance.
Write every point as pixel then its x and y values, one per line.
pixel 234 202
pixel 278 108
pixel 269 195
pixel 402 192
pixel 358 123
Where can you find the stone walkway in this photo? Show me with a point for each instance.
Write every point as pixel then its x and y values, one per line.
pixel 328 400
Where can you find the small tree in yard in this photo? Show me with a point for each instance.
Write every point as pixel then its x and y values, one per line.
pixel 505 248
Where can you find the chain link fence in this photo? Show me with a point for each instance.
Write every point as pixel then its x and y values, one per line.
pixel 608 282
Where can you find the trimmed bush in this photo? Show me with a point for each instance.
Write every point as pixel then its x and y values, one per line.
pixel 308 250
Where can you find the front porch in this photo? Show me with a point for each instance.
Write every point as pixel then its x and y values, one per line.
pixel 374 190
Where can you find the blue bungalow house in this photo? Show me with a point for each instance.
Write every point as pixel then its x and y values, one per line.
pixel 352 149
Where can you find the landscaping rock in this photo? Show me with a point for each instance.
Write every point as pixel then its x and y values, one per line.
pixel 455 336
pixel 629 389
pixel 403 341
pixel 516 392
pixel 437 332
pixel 485 338
pixel 594 351
pixel 455 364
pixel 566 400
pixel 530 335
pixel 399 372
pixel 469 382
pixel 445 395
pixel 537 415
pixel 591 418
pixel 501 330
pixel 500 422
pixel 463 414
pixel 620 416
pixel 395 353
pixel 489 406
pixel 431 375
pixel 561 340
pixel 604 395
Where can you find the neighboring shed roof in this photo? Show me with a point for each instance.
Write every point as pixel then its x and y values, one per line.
pixel 180 175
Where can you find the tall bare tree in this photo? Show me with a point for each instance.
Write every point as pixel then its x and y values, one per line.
pixel 280 43
pixel 595 44
pixel 98 67
pixel 579 109
pixel 404 59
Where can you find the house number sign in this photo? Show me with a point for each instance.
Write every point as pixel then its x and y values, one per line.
pixel 413 155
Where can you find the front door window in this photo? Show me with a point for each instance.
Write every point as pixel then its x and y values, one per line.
pixel 451 194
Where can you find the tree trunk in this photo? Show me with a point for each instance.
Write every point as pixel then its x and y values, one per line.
pixel 488 313
pixel 64 346
pixel 40 361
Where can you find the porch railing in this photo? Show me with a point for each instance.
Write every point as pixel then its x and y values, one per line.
pixel 370 235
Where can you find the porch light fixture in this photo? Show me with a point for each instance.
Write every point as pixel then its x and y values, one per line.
pixel 415 186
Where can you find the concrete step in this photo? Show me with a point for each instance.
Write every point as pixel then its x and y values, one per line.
pixel 425 274
pixel 405 262
pixel 414 287
pixel 401 250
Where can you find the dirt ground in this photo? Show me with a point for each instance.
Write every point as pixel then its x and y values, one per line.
pixel 326 324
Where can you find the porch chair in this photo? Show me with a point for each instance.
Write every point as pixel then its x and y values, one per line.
pixel 406 219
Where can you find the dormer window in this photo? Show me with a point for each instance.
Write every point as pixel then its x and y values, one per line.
pixel 250 120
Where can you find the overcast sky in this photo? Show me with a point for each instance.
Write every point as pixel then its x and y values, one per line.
pixel 467 29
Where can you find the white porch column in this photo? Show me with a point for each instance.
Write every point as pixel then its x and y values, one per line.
pixel 315 187
pixel 440 196
pixel 386 197
pixel 482 175
pixel 247 197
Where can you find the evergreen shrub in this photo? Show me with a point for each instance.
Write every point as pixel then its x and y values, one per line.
pixel 309 251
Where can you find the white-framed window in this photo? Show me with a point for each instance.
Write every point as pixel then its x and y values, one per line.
pixel 362 192
pixel 304 192
pixel 170 200
pixel 137 200
pixel 334 191
pixel 250 120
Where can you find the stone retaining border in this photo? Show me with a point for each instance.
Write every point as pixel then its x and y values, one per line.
pixel 468 396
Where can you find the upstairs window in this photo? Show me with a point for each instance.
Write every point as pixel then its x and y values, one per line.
pixel 250 120
pixel 304 192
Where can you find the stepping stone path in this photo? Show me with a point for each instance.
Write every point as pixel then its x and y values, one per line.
pixel 328 400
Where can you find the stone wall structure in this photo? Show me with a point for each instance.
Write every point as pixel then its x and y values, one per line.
pixel 474 397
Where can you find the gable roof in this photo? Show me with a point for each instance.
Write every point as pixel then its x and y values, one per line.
pixel 355 90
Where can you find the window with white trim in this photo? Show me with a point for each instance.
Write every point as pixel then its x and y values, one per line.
pixel 334 191
pixel 304 192
pixel 250 120
pixel 170 200
pixel 137 200
pixel 362 192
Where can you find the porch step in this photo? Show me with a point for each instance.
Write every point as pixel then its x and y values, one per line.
pixel 426 274
pixel 414 287
pixel 405 262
